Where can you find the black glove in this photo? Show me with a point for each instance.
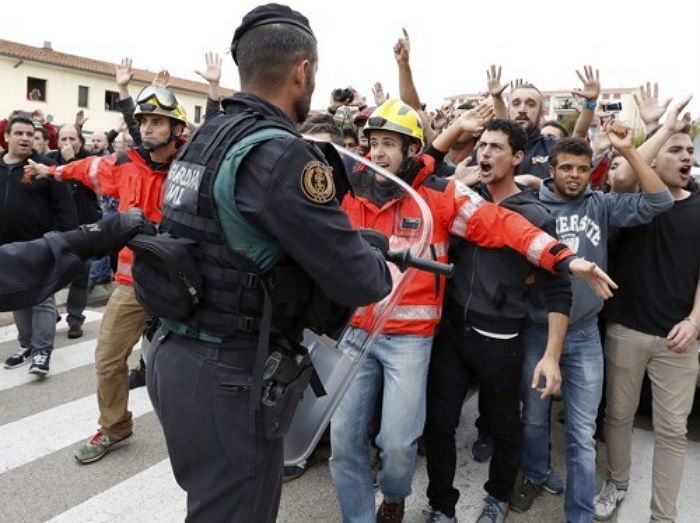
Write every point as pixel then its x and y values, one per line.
pixel 376 239
pixel 107 235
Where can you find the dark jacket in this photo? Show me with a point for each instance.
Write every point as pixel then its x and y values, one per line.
pixel 86 203
pixel 29 210
pixel 32 271
pixel 490 285
pixel 536 159
pixel 318 236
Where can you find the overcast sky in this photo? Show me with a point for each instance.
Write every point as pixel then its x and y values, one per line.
pixel 452 42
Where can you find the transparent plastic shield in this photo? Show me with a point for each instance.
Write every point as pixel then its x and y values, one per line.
pixel 337 361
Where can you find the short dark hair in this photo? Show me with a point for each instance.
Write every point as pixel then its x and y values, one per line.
pixel 554 123
pixel 44 132
pixel 350 133
pixel 517 136
pixel 466 105
pixel 15 120
pixel 266 54
pixel 574 146
pixel 328 128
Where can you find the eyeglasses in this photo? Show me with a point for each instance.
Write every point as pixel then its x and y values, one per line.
pixel 165 98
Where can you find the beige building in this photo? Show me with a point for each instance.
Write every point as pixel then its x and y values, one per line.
pixel 61 84
pixel 559 104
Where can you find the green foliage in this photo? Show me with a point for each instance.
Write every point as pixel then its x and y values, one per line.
pixel 694 129
pixel 569 121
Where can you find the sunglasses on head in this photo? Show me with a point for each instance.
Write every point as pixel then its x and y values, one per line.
pixel 163 96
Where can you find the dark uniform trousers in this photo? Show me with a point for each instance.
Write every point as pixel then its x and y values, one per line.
pixel 462 358
pixel 209 425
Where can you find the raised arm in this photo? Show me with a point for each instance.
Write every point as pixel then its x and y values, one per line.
pixel 650 111
pixel 407 89
pixel 97 173
pixel 495 89
pixel 471 122
pixel 625 176
pixel 589 93
pixel 212 74
pixel 123 74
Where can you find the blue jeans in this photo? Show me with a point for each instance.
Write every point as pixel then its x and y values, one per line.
pixel 36 326
pixel 582 385
pixel 400 363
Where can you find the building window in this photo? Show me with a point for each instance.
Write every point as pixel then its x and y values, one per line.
pixel 82 96
pixel 111 101
pixel 36 89
pixel 197 113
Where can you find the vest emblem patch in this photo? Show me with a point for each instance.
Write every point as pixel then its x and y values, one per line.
pixel 317 182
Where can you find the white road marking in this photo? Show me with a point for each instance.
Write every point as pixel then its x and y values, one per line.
pixel 9 332
pixel 41 434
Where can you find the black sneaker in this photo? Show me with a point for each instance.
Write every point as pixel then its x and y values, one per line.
pixel 524 495
pixel 137 377
pixel 40 363
pixel 292 472
pixel 482 449
pixel 18 358
pixel 75 331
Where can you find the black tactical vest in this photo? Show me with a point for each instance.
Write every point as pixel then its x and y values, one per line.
pixel 233 285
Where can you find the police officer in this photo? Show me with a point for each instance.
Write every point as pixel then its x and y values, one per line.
pixel 258 207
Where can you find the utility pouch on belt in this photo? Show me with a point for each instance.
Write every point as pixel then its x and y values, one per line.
pixel 166 279
pixel 286 375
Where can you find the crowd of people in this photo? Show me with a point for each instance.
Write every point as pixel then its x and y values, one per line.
pixel 531 213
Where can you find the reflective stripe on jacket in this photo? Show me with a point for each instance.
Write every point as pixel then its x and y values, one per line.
pixel 128 177
pixel 457 210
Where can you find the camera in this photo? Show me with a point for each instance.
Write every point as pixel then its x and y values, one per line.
pixel 614 107
pixel 345 96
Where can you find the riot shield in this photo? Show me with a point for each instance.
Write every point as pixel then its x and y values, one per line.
pixel 410 241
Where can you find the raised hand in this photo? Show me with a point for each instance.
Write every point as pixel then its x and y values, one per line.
pixel 212 74
pixel 493 81
pixel 402 48
pixel 439 119
pixel 80 118
pixel 124 73
pixel 620 136
pixel 650 110
pixel 473 120
pixel 162 78
pixel 517 83
pixel 38 116
pixel 674 123
pixel 378 93
pixel 591 84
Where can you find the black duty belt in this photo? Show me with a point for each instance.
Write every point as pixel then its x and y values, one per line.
pixel 237 357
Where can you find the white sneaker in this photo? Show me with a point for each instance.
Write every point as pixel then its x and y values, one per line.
pixel 607 500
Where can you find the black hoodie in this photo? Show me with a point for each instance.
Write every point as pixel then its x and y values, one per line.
pixel 29 210
pixel 490 285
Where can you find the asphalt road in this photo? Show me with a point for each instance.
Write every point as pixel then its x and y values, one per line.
pixel 42 422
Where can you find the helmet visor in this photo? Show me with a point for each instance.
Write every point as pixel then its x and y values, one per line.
pixel 165 98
